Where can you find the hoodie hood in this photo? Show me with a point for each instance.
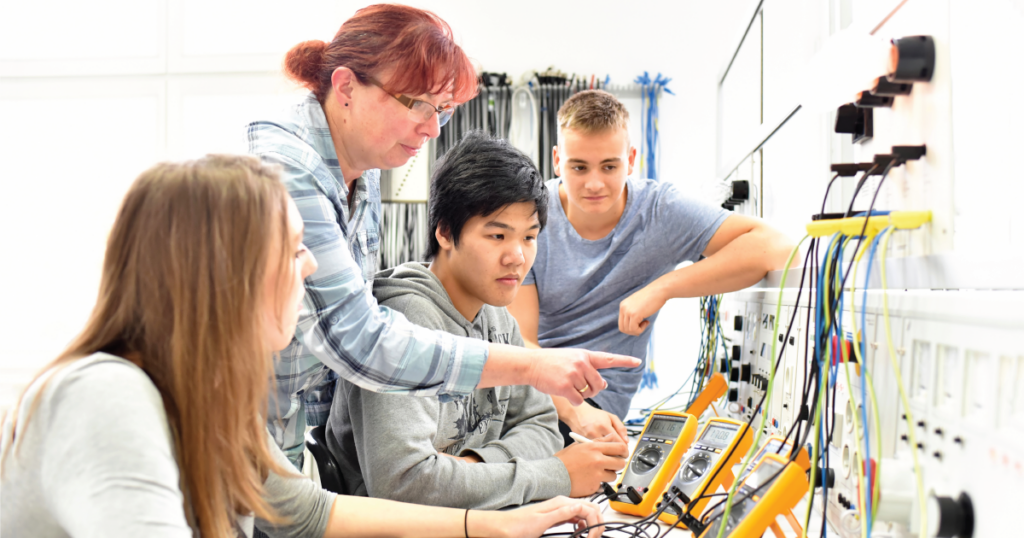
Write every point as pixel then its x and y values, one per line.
pixel 415 278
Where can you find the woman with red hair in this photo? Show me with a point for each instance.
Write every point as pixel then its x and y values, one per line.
pixel 379 91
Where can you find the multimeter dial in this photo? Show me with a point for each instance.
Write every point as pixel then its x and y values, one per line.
pixel 694 468
pixel 647 459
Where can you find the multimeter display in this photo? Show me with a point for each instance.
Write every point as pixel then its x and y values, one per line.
pixel 717 436
pixel 774 446
pixel 665 428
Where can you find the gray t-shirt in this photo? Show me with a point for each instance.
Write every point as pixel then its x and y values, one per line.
pixel 97 459
pixel 580 283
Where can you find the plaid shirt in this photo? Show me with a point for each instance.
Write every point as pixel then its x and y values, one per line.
pixel 342 331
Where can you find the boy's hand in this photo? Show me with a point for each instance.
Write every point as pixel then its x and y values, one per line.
pixel 635 309
pixel 594 423
pixel 589 464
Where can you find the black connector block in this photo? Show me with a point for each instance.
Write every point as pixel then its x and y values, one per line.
pixel 734 394
pixel 913 59
pixel 737 323
pixel 852 120
pixel 734 375
pixel 884 86
pixel 870 100
pixel 956 517
pixel 740 190
pixel 828 216
pixel 851 169
pixel 909 153
pixel 633 495
pixel 728 207
pixel 736 350
pixel 724 366
pixel 828 474
pixel 745 373
pixel 882 161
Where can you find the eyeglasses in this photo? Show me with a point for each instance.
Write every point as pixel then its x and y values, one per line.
pixel 419 111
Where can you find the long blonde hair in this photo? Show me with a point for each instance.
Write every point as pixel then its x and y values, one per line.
pixel 180 296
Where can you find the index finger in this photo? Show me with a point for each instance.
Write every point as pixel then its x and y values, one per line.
pixel 601 360
pixel 620 428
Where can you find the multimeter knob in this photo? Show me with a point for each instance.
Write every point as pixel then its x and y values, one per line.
pixel 646 460
pixel 694 468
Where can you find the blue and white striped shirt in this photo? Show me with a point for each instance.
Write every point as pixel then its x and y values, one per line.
pixel 341 328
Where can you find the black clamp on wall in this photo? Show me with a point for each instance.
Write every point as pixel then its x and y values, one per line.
pixel 740 194
pixel 884 86
pixel 912 59
pixel 856 121
pixel 870 100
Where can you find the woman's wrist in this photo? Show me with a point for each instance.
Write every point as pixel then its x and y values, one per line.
pixel 506 366
pixel 489 524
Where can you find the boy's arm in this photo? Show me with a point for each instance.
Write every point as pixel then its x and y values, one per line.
pixel 738 255
pixel 394 443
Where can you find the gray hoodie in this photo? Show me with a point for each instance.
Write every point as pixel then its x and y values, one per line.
pixel 387 444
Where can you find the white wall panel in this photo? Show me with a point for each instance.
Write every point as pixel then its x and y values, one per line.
pixel 67 164
pixel 226 36
pixel 99 37
pixel 740 100
pixel 987 122
pixel 208 113
pixel 791 37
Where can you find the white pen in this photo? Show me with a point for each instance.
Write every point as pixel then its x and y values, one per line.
pixel 579 438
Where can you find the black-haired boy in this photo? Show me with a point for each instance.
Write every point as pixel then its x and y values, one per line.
pixel 499 446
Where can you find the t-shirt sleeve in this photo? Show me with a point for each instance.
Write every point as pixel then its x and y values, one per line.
pixel 530 279
pixel 109 467
pixel 682 225
pixel 304 507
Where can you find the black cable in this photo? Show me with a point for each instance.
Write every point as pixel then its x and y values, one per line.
pixel 863 179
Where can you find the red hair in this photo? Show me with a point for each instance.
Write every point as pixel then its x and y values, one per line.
pixel 417 46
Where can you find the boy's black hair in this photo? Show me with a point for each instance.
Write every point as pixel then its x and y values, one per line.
pixel 478 176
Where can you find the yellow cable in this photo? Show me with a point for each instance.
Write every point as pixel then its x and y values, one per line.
pixel 922 531
pixel 876 493
pixel 857 435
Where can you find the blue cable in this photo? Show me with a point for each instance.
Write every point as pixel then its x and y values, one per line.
pixel 649 118
pixel 863 388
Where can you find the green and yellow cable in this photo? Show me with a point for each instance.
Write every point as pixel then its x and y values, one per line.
pixel 922 503
pixel 768 392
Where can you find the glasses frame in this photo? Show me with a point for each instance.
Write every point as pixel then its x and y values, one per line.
pixel 444 113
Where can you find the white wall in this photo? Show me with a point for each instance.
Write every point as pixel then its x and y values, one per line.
pixel 94 92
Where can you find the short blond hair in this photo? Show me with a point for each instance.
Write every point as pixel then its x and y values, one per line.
pixel 593 111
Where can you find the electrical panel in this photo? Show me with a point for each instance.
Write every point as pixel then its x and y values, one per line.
pixel 961 359
pixel 923 405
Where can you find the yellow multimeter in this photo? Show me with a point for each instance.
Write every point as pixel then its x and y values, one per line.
pixel 715 389
pixel 778 444
pixel 773 488
pixel 706 466
pixel 665 438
